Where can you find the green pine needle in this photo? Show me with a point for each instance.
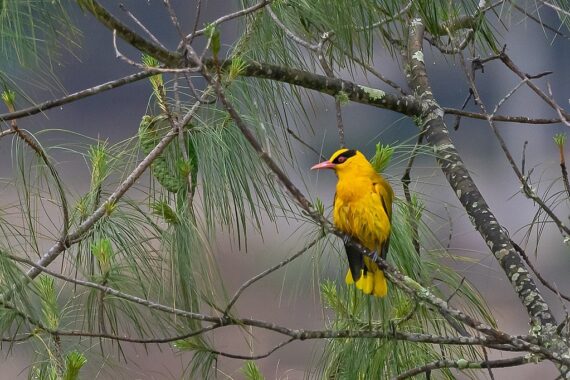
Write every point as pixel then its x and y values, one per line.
pixel 251 371
pixel 163 209
pixel 560 139
pixel 50 309
pixel 382 157
pixel 74 361
pixel 103 252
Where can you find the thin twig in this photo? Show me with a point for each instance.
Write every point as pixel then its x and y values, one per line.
pixel 304 143
pixel 486 357
pixel 528 191
pixel 290 33
pixel 523 163
pixel 27 138
pixel 142 66
pixel 231 16
pixel 120 338
pixel 252 357
pixel 298 334
pixel 515 69
pixel 559 110
pixel 464 364
pixel 148 72
pixel 191 36
pixel 378 75
pixel 563 169
pixel 7 133
pixel 175 23
pixel 544 282
pixel 505 118
pixel 268 271
pixel 141 25
pixel 406 180
pixel 454 49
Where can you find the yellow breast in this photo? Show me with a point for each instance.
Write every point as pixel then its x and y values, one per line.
pixel 359 211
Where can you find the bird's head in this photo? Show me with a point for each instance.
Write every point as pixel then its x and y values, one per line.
pixel 344 161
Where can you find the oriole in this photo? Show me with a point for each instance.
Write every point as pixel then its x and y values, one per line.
pixel 362 209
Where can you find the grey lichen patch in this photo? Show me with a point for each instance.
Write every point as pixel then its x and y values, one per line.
pixel 462 364
pixel 418 56
pixel 530 298
pixel 500 255
pixel 373 93
pixel 443 147
pixel 440 113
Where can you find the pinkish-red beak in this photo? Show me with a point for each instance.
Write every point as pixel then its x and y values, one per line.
pixel 323 165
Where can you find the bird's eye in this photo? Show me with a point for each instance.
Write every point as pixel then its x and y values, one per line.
pixel 341 159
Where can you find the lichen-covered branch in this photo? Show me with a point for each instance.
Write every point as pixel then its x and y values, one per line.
pixel 464 187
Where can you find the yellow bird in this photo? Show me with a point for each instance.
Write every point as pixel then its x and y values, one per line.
pixel 363 210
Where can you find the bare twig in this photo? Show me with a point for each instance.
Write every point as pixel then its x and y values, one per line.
pixel 505 118
pixel 252 357
pixel 304 143
pixel 268 271
pixel 298 334
pixel 406 180
pixel 454 49
pixel 378 75
pixel 561 114
pixel 7 133
pixel 527 189
pixel 464 364
pixel 141 25
pixel 148 72
pixel 231 16
pixel 537 273
pixel 523 163
pixel 27 138
pixel 515 69
pixel 191 36
pixel 290 33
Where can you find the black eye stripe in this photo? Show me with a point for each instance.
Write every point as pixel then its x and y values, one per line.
pixel 345 155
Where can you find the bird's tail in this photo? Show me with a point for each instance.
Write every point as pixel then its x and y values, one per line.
pixel 371 281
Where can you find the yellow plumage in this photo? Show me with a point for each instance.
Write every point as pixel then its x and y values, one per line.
pixel 363 210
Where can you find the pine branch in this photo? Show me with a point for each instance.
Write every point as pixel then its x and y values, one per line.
pixel 505 118
pixel 464 187
pixel 78 95
pixel 463 364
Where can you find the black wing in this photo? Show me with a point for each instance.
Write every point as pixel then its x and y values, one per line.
pixel 355 260
pixel 386 245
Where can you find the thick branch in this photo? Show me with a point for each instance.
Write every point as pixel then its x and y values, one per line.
pixel 406 105
pixel 460 180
